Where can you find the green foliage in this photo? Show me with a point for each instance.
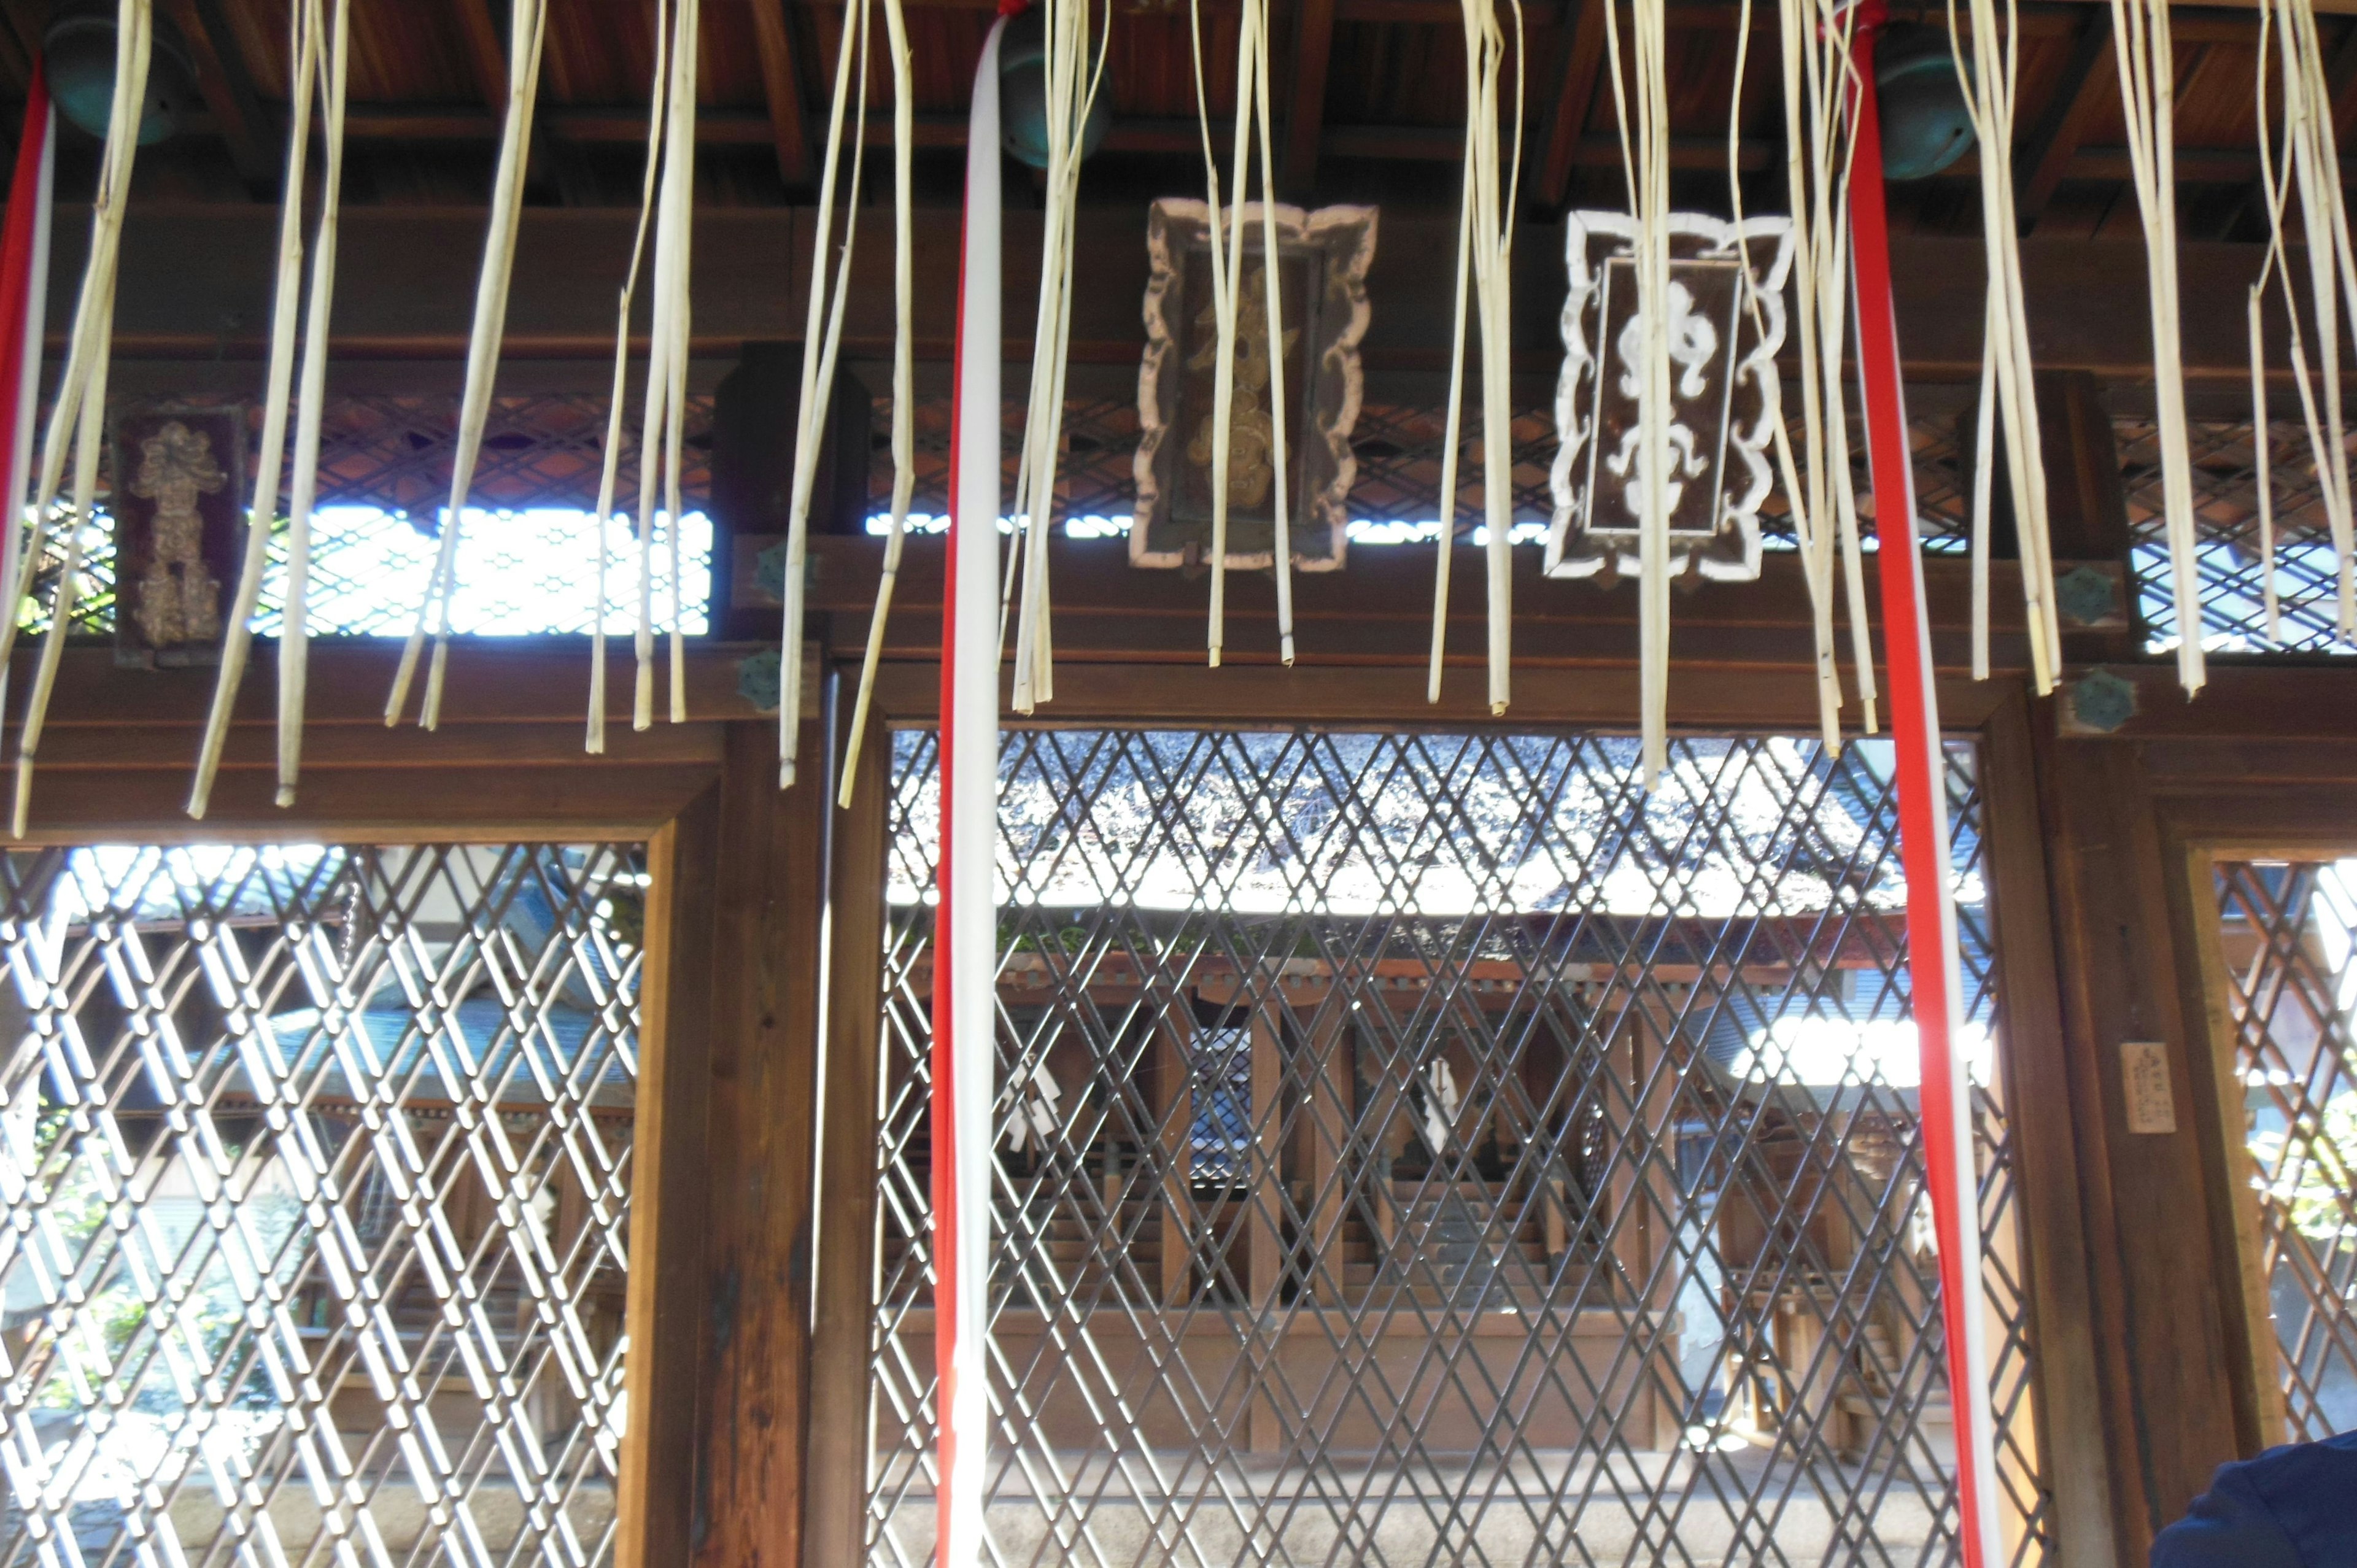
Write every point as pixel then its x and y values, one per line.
pixel 2315 1171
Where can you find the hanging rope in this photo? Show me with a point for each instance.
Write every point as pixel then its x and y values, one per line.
pixel 1989 90
pixel 1645 163
pixel 610 467
pixel 2148 70
pixel 1810 527
pixel 527 31
pixel 321 58
pixel 1227 223
pixel 822 338
pixel 1071 81
pixel 1484 257
pixel 78 416
pixel 663 425
pixel 1818 77
pixel 904 311
pixel 2310 165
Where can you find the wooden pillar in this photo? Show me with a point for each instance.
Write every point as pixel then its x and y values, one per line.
pixel 1326 1078
pixel 2038 1084
pixel 2160 1317
pixel 768 904
pixel 845 1203
pixel 655 1491
pixel 1264 1207
pixel 1174 1042
pixel 2086 501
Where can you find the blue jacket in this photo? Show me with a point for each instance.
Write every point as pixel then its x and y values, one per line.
pixel 2289 1508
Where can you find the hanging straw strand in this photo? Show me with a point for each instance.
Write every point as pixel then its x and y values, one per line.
pixel 294 637
pixel 904 476
pixel 527 28
pixel 821 337
pixel 79 415
pixel 278 386
pixel 609 467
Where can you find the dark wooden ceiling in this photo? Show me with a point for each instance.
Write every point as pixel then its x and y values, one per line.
pixel 1372 92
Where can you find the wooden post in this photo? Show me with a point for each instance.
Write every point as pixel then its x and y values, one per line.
pixel 2238 1234
pixel 768 911
pixel 2075 1457
pixel 1265 1208
pixel 1265 1205
pixel 2160 1315
pixel 1174 1040
pixel 1325 1088
pixel 655 1491
pixel 845 1203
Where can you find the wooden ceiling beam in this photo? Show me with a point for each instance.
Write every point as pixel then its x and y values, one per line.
pixel 487 59
pixel 2341 80
pixel 2043 159
pixel 1304 117
pixel 487 55
pixel 226 84
pixel 1583 69
pixel 782 88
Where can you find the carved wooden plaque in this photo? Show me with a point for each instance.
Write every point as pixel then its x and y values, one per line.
pixel 1321 265
pixel 1726 324
pixel 179 487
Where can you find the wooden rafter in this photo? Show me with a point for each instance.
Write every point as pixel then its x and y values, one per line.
pixel 1313 47
pixel 226 85
pixel 2080 93
pixel 782 86
pixel 1583 69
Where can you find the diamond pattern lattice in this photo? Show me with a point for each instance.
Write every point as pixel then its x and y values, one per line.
pixel 1425 1149
pixel 528 568
pixel 2226 513
pixel 1398 448
pixel 2287 936
pixel 316 1165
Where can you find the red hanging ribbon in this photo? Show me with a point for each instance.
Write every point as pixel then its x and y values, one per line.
pixel 1923 818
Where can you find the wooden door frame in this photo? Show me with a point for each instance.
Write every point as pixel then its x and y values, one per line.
pixel 506 767
pixel 2197 830
pixel 2079 1450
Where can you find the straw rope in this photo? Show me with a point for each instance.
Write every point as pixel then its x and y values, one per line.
pixel 609 467
pixel 1071 83
pixel 311 62
pixel 2148 72
pixel 904 310
pixel 1989 90
pixel 79 417
pixel 527 31
pixel 822 341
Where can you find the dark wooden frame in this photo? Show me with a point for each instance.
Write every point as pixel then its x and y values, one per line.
pixel 507 765
pixel 764 951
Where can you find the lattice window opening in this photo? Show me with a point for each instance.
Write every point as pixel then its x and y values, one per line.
pixel 2287 934
pixel 1398 448
pixel 529 562
pixel 1678 1087
pixel 2231 570
pixel 316 1166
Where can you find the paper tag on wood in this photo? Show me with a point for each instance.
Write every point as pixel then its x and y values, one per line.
pixel 2144 1077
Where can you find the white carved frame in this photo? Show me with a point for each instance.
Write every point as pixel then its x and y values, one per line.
pixel 1710 240
pixel 1348 236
